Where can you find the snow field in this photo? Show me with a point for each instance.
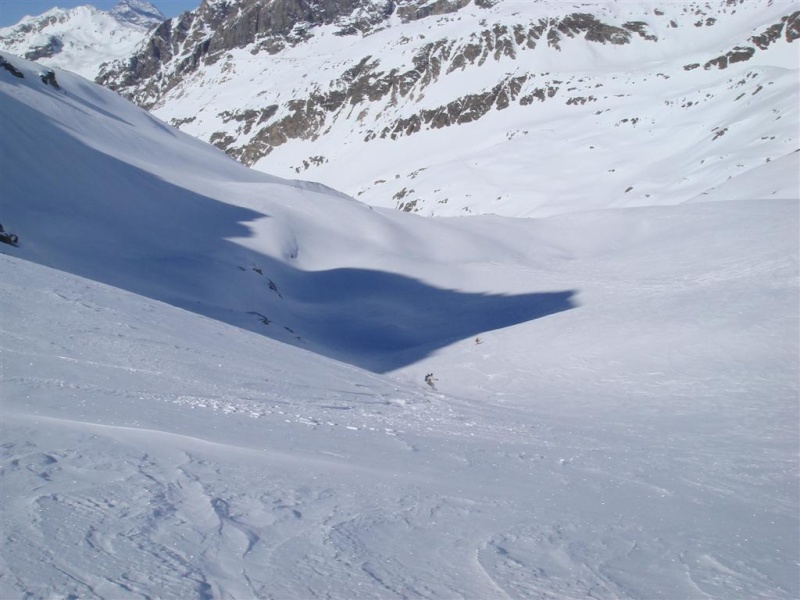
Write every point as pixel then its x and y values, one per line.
pixel 243 468
pixel 626 426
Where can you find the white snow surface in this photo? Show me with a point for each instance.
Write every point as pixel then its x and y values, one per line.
pixel 615 412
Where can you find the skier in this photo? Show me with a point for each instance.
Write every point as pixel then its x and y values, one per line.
pixel 8 238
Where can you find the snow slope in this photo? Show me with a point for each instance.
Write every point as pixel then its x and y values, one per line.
pixel 176 220
pixel 615 412
pixel 83 38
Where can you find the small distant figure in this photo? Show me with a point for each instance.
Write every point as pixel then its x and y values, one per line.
pixel 478 341
pixel 431 380
pixel 8 238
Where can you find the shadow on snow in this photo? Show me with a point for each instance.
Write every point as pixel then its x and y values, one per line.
pixel 383 321
pixel 80 210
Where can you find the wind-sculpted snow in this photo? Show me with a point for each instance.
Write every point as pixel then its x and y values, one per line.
pixel 596 404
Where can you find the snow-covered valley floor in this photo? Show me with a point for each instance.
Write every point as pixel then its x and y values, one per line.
pixel 637 437
pixel 152 453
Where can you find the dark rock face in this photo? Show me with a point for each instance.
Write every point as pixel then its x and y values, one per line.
pixel 413 11
pixel 790 24
pixel 793 26
pixel 53 46
pixel 271 24
pixel 788 28
pixel 32 27
pixel 458 112
pixel 738 54
pixel 593 30
pixel 4 64
pixel 163 45
pixel 49 78
pixel 641 29
pixel 768 36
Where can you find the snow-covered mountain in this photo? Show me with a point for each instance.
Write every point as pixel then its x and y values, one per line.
pixel 455 107
pixel 615 407
pixel 81 39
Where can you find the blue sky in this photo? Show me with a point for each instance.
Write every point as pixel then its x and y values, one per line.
pixel 11 11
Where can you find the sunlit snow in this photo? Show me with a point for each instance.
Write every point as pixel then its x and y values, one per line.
pixel 213 382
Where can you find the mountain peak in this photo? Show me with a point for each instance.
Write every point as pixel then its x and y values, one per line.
pixel 138 12
pixel 82 38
